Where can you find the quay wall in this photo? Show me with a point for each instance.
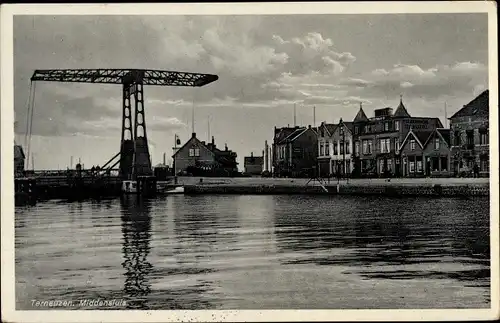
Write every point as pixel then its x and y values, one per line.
pixel 436 190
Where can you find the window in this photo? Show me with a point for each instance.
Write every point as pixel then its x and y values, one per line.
pixel 370 146
pixel 347 150
pixel 457 138
pixel 483 137
pixel 396 125
pixel 385 145
pixel 327 148
pixel 335 148
pixel 412 144
pixel 389 165
pixel 396 144
pixel 412 167
pixel 365 147
pixel 484 163
pixel 194 152
pixel 321 149
pixel 386 126
pixel 436 143
pixel 444 164
pixel 356 148
pixel 419 165
pixel 381 167
pixel 356 129
pixel 342 144
pixel 470 137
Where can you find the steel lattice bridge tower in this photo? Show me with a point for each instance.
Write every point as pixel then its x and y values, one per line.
pixel 134 152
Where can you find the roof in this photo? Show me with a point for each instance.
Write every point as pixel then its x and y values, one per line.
pixel 281 133
pixel 477 107
pixel 222 156
pixel 440 132
pixel 401 110
pixel 296 134
pixel 349 125
pixel 446 135
pixel 421 137
pixel 19 152
pixel 330 127
pixel 361 116
pixel 254 160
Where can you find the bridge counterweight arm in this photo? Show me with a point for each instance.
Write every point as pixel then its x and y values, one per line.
pixel 123 76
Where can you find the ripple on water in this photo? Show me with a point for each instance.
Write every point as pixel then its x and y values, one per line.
pixel 262 252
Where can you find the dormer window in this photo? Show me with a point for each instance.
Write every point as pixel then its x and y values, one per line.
pixel 412 144
pixel 436 143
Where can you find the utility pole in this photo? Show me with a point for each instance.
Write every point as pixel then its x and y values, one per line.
pixel 314 116
pixel 208 119
pixel 192 116
pixel 445 116
pixel 294 115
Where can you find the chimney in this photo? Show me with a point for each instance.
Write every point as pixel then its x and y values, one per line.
pixel 193 135
pixel 164 158
pixel 309 126
pixel 251 154
pixel 225 147
pixel 213 141
pixel 203 143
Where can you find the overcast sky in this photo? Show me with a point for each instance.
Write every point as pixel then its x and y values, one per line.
pixel 265 65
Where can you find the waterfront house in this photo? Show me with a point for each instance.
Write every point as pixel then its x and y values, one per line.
pixel 335 149
pixel 19 159
pixel 437 150
pixel 325 149
pixel 295 151
pixel 377 140
pixel 470 137
pixel 254 165
pixel 412 153
pixel 196 157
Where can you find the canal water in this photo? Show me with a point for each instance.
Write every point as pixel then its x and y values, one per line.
pixel 255 252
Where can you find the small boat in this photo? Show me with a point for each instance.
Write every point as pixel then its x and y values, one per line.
pixel 129 187
pixel 176 190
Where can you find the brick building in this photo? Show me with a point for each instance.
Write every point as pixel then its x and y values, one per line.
pixel 295 151
pixel 254 165
pixel 470 137
pixel 377 140
pixel 437 153
pixel 201 159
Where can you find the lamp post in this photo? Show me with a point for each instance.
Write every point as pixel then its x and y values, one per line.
pixel 342 133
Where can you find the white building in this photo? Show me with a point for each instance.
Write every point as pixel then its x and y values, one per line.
pixel 335 147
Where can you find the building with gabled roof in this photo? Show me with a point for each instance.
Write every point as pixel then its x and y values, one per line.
pixel 335 147
pixel 437 153
pixel 253 165
pixel 377 140
pixel 201 159
pixel 294 151
pixel 470 137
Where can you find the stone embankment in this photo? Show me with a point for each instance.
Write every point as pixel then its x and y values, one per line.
pixel 437 187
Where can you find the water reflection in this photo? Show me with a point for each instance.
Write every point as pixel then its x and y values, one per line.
pixel 365 235
pixel 136 230
pixel 230 252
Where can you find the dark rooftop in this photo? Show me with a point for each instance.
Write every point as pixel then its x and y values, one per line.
pixel 477 107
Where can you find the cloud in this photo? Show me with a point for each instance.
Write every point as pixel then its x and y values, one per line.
pixel 312 53
pixel 260 63
pixel 415 81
